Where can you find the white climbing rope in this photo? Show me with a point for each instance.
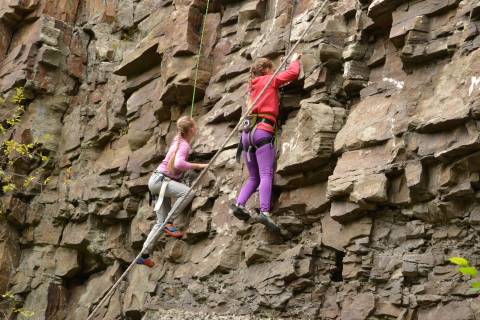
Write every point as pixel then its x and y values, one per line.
pixel 215 156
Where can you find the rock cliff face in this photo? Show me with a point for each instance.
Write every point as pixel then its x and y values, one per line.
pixel 378 174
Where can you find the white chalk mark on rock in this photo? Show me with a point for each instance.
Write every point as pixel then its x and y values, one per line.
pixel 264 37
pixel 474 85
pixel 397 83
pixel 392 131
pixel 292 144
pixel 274 17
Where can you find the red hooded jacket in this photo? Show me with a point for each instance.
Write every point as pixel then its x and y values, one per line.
pixel 269 103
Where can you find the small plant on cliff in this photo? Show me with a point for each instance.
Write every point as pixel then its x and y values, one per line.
pixel 14 151
pixel 123 131
pixel 7 302
pixel 466 269
pixel 128 34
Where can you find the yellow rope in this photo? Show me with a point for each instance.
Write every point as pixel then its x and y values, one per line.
pixel 192 109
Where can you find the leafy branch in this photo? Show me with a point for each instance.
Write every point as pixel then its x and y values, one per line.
pixel 8 300
pixel 466 269
pixel 14 151
pixel 19 100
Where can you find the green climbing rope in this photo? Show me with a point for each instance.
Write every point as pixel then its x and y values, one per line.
pixel 192 109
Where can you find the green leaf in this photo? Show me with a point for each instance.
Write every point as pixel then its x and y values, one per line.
pixel 47 180
pixel 9 188
pixel 474 290
pixel 475 284
pixel 27 313
pixel 462 262
pixel 19 96
pixel 471 271
pixel 7 295
pixel 28 181
pixel 47 137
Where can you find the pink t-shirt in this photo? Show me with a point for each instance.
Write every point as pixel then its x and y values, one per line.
pixel 181 164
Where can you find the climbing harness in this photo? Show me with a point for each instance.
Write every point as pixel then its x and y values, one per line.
pixel 252 147
pixel 159 177
pixel 192 109
pixel 215 156
pixel 161 195
pixel 250 125
pixel 253 119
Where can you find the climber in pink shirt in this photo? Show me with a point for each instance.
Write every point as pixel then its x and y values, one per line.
pixel 165 183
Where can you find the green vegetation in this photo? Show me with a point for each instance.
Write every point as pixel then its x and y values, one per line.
pixel 7 302
pixel 13 151
pixel 466 269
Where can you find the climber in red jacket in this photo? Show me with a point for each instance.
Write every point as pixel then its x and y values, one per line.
pixel 258 137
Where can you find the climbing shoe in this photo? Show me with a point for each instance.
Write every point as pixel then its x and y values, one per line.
pixel 264 218
pixel 285 234
pixel 146 261
pixel 172 231
pixel 240 212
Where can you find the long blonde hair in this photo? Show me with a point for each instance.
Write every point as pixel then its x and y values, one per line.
pixel 184 125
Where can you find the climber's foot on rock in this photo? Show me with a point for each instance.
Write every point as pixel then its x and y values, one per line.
pixel 172 231
pixel 286 235
pixel 145 261
pixel 265 219
pixel 240 212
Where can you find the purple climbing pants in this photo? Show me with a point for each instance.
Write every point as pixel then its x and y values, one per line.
pixel 260 168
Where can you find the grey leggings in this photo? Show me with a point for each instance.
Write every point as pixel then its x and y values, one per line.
pixel 174 189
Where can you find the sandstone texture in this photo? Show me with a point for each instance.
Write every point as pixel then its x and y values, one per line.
pixel 378 172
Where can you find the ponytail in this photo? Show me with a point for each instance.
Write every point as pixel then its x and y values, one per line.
pixel 171 162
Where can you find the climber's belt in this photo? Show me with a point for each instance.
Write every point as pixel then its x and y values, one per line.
pixel 260 144
pixel 267 121
pixel 250 125
pixel 252 120
pixel 160 178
